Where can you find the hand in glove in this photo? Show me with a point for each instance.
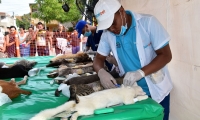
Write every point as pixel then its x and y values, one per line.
pixel 111 60
pixel 133 76
pixel 107 80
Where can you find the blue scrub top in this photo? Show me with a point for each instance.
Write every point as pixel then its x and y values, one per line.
pixel 128 54
pixel 93 40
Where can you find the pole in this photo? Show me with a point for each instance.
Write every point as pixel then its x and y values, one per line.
pixel 17 48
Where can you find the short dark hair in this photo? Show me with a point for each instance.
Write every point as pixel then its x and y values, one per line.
pixel 31 27
pixel 22 27
pixel 12 27
pixel 40 23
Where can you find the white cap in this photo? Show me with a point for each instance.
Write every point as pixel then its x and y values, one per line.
pixel 104 12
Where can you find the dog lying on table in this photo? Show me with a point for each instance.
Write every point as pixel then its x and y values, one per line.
pixel 19 69
pixel 69 60
pixel 84 85
pixel 11 88
pixel 102 99
pixel 79 63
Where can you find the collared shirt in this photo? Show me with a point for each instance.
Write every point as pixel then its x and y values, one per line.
pixel 150 36
pixel 128 54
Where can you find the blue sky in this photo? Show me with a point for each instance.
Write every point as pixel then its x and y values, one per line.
pixel 19 7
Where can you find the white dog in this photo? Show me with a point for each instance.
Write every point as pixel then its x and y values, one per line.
pixel 97 100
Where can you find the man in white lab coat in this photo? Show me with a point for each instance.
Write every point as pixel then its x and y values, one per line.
pixel 140 46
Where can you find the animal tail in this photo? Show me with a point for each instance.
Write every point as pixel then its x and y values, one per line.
pixel 48 113
pixel 25 92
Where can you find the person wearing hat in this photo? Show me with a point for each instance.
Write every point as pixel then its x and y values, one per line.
pixel 89 31
pixel 140 45
pixel 94 37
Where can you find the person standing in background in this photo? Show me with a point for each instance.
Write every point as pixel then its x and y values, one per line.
pixel 2 45
pixel 28 42
pixel 60 33
pixel 24 49
pixel 75 42
pixel 43 37
pixel 90 33
pixel 11 43
pixel 32 41
pixel 93 38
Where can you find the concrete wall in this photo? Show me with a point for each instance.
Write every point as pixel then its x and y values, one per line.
pixel 7 21
pixel 181 19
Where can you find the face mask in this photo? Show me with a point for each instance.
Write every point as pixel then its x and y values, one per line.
pixel 87 34
pixel 123 28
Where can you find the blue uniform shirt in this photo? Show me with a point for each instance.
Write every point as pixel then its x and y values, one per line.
pixel 93 40
pixel 128 54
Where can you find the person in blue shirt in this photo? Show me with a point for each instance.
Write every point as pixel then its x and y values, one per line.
pixel 89 31
pixel 93 37
pixel 140 45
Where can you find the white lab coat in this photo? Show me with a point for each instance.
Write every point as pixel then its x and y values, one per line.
pixel 144 23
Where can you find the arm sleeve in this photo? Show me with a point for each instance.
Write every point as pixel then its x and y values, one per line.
pixel 104 47
pixel 158 35
pixel 88 42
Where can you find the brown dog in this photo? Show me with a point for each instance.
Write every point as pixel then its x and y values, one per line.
pixel 11 88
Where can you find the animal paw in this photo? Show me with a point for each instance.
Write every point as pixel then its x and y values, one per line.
pixel 25 77
pixel 142 97
pixel 24 80
pixel 12 80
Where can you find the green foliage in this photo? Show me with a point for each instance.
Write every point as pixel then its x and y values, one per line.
pixel 70 29
pixel 49 10
pixel 24 21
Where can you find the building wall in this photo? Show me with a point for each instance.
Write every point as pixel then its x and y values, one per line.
pixel 181 19
pixel 52 25
pixel 7 21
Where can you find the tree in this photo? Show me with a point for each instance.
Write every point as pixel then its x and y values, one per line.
pixel 23 21
pixel 49 10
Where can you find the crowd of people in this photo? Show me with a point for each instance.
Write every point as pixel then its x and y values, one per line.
pixel 38 42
